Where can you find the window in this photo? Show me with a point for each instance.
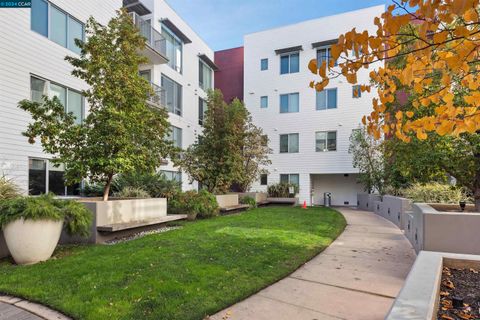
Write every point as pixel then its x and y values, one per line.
pixel 72 100
pixel 55 24
pixel 290 63
pixel 44 176
pixel 356 92
pixel 327 99
pixel 264 102
pixel 292 178
pixel 176 136
pixel 289 102
pixel 289 143
pixel 172 175
pixel 204 76
pixel 173 95
pixel 263 179
pixel 324 54
pixel 325 141
pixel 174 49
pixel 146 74
pixel 202 108
pixel 264 64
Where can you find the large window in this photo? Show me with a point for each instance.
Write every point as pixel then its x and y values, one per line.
pixel 172 175
pixel 289 102
pixel 325 141
pixel 173 95
pixel 264 64
pixel 72 100
pixel 176 136
pixel 289 143
pixel 327 99
pixel 174 49
pixel 324 54
pixel 264 102
pixel 289 63
pixel 204 76
pixel 55 24
pixel 44 176
pixel 292 178
pixel 202 109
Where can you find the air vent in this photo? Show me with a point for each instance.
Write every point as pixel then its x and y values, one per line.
pixel 346 202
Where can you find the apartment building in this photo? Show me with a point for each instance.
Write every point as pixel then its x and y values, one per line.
pixel 309 131
pixel 33 44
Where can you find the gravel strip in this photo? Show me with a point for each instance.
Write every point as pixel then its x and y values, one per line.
pixel 141 234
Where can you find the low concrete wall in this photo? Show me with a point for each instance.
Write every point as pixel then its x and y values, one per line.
pixel 3 246
pixel 258 196
pixel 366 201
pixel 227 200
pixel 419 297
pixel 115 212
pixel 395 209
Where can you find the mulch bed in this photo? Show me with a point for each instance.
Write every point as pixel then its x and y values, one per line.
pixel 459 284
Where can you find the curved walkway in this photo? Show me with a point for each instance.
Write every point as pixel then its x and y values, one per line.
pixel 356 277
pixel 12 308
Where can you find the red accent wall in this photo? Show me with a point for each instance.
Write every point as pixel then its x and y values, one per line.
pixel 229 77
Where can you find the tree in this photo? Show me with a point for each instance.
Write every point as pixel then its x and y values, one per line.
pixel 230 149
pixel 121 133
pixel 444 37
pixel 368 158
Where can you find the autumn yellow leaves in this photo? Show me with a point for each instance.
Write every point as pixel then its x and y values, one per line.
pixel 430 52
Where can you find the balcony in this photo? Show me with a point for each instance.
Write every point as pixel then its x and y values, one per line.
pixel 156 47
pixel 158 97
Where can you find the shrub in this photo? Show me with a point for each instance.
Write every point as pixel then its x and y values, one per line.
pixel 201 204
pixel 132 192
pixel 8 189
pixel 76 216
pixel 435 193
pixel 248 200
pixel 281 190
pixel 155 184
pixel 92 190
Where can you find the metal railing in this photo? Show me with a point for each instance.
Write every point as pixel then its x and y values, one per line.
pixel 154 39
pixel 158 97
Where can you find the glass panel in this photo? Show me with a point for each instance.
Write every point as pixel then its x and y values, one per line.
pixel 293 103
pixel 167 84
pixel 284 178
pixel 357 93
pixel 178 102
pixel 294 62
pixel 264 102
pixel 178 56
pixel 200 74
pixel 263 179
pixel 39 17
pixel 58 26
pixel 145 74
pixel 201 110
pixel 321 56
pixel 264 64
pixel 75 31
pixel 332 141
pixel 284 67
pixel 321 100
pixel 283 143
pixel 295 179
pixel 332 98
pixel 37 171
pixel 293 143
pixel 37 89
pixel 283 103
pixel 320 141
pixel 75 105
pixel 56 183
pixel 59 92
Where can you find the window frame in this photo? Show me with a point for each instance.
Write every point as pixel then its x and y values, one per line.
pixel 176 136
pixel 202 109
pixel 288 142
pixel 177 93
pixel 202 66
pixel 178 43
pixel 326 145
pixel 175 175
pixel 47 163
pixel 289 56
pixel 327 99
pixel 289 95
pixel 289 178
pixel 357 88
pixel 262 100
pixel 264 179
pixel 328 49
pixel 264 67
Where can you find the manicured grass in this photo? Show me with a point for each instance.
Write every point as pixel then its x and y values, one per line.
pixel 182 274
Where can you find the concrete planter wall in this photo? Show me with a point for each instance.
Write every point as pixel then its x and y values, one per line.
pixel 395 209
pixel 117 212
pixel 292 201
pixel 455 232
pixel 418 299
pixel 258 196
pixel 227 200
pixel 366 201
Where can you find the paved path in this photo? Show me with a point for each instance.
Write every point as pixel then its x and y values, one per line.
pixel 12 308
pixel 356 277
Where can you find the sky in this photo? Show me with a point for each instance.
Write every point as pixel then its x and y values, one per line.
pixel 222 23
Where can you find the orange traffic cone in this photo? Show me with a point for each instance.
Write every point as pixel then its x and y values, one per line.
pixel 304 204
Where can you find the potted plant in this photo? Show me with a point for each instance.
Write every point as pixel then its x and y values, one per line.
pixel 32 225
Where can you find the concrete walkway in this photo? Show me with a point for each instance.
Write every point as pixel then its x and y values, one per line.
pixel 356 277
pixel 12 308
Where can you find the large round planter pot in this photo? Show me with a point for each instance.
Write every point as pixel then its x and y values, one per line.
pixel 32 241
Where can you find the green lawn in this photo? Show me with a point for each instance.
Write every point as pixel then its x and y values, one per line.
pixel 181 274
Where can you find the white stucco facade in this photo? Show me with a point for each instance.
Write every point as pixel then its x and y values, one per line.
pixel 25 53
pixel 318 171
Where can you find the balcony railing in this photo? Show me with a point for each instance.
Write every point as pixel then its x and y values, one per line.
pixel 158 97
pixel 154 39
